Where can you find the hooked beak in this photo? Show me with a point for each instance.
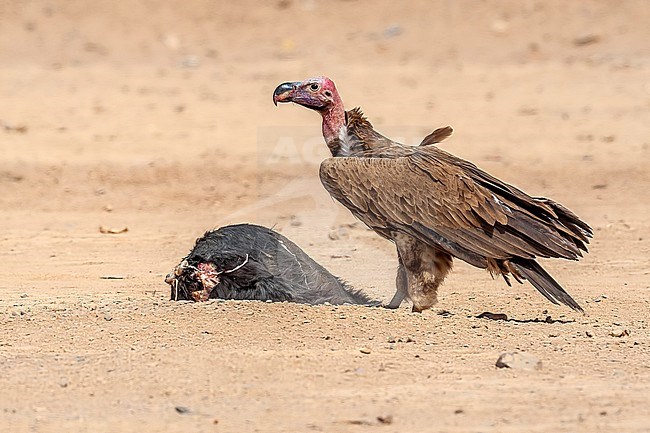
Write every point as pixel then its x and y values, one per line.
pixel 284 92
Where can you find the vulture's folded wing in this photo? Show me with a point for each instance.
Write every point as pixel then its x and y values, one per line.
pixel 440 203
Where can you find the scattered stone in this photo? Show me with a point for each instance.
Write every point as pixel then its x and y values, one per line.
pixel 190 61
pixel 92 47
pixel 295 221
pixel 528 111
pixel 283 4
pixel 112 231
pixel 365 350
pixel 393 31
pixel 20 311
pixel 388 419
pixel 623 333
pixel 182 409
pixel 23 295
pixel 400 340
pixel 21 129
pixel 518 361
pixel 11 177
pixel 500 26
pixel 338 233
pixel 585 137
pixel 63 383
pixel 357 422
pixel 108 316
pixel 171 41
pixel 112 277
pixel 459 411
pixel 584 40
pixel 492 316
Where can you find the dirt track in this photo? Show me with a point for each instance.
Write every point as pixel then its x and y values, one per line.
pixel 159 119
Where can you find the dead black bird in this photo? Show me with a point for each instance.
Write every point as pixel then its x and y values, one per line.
pixel 247 261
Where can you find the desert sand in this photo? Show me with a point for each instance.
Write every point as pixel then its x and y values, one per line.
pixel 157 117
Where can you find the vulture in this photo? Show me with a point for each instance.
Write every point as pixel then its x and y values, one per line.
pixel 246 261
pixel 435 206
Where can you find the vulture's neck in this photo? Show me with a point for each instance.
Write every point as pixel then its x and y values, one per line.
pixel 347 133
pixel 333 127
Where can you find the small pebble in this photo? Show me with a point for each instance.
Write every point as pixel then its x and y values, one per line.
pixel 386 419
pixel 393 31
pixel 295 221
pixel 518 361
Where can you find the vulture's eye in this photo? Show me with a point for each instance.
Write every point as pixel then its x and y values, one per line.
pixel 314 87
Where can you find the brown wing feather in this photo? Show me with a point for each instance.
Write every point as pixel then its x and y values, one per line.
pixel 440 202
pixel 437 136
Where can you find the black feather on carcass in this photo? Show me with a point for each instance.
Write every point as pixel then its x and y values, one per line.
pixel 247 261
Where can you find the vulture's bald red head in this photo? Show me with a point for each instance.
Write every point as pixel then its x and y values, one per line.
pixel 317 93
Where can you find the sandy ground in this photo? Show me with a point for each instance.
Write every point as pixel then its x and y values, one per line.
pixel 157 117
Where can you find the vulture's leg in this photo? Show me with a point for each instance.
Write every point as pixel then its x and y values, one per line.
pixel 426 268
pixel 402 286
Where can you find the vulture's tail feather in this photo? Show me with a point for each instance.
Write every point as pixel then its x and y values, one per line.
pixel 542 281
